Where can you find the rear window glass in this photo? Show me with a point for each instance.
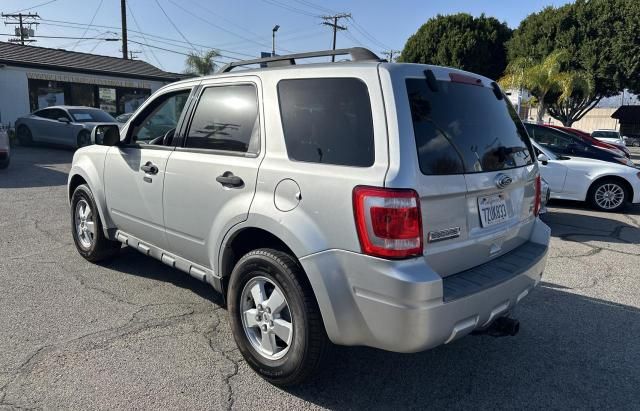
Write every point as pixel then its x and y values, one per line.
pixel 327 121
pixel 88 115
pixel 462 128
pixel 605 134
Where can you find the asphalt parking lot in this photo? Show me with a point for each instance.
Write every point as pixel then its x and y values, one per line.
pixel 134 333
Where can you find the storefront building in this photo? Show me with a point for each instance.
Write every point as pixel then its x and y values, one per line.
pixel 32 78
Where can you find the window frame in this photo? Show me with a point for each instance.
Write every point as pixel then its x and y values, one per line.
pixel 197 97
pixel 371 110
pixel 126 142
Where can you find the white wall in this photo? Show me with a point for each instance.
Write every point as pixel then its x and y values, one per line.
pixel 14 94
pixel 14 88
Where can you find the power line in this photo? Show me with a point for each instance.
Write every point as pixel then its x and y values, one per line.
pixel 20 20
pixel 90 23
pixel 290 8
pixel 37 5
pixel 68 37
pixel 173 24
pixel 315 6
pixel 135 21
pixel 367 35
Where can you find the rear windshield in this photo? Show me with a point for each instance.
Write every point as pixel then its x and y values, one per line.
pixel 90 116
pixel 463 128
pixel 605 134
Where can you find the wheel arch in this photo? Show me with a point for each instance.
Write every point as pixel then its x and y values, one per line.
pixel 623 181
pixel 86 173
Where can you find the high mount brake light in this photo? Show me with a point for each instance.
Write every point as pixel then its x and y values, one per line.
pixel 388 222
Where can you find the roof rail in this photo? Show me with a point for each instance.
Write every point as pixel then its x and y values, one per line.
pixel 357 54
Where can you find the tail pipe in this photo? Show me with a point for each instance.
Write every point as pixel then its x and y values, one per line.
pixel 501 327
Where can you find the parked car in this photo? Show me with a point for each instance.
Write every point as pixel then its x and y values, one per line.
pixel 608 136
pixel 586 137
pixel 364 203
pixel 546 195
pixel 65 125
pixel 565 144
pixel 5 149
pixel 123 118
pixel 633 141
pixel 607 186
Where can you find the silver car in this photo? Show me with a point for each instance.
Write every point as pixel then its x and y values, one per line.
pixel 361 203
pixel 64 125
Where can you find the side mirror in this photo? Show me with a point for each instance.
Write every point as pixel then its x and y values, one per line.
pixel 543 159
pixel 64 120
pixel 106 135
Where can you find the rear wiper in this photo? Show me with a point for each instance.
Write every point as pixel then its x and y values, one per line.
pixel 497 91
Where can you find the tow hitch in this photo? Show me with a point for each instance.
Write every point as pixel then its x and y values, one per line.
pixel 501 327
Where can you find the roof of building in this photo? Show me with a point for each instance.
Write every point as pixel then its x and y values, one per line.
pixel 627 114
pixel 63 60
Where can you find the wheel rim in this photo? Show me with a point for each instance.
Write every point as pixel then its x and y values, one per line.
pixel 85 226
pixel 609 196
pixel 24 134
pixel 266 318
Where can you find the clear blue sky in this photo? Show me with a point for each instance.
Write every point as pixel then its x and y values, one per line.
pixel 242 28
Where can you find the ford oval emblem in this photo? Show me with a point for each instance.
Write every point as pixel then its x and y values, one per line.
pixel 503 180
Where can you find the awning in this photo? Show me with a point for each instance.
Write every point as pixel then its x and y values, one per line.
pixel 627 114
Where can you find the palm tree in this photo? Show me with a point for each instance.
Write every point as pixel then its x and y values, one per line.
pixel 201 64
pixel 545 78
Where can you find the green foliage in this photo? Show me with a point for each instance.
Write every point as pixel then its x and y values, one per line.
pixel 461 41
pixel 201 64
pixel 602 37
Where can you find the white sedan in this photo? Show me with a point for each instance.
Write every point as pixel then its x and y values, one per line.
pixel 607 186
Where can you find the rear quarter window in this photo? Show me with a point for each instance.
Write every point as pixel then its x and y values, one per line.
pixel 462 128
pixel 327 121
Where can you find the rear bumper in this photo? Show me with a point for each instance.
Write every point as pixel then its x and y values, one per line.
pixel 404 306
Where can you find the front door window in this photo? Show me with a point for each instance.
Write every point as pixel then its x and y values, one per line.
pixel 159 118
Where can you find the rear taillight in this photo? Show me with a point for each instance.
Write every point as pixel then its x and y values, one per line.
pixel 538 199
pixel 388 221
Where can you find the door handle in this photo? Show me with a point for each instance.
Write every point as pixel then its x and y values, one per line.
pixel 149 168
pixel 227 179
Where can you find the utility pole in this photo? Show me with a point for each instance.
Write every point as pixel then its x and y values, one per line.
pixel 20 20
pixel 389 54
pixel 123 14
pixel 335 26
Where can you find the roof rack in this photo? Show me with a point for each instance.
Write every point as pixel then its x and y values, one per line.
pixel 357 54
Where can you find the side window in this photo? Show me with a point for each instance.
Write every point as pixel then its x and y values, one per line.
pixel 55 114
pixel 159 118
pixel 327 121
pixel 226 118
pixel 46 113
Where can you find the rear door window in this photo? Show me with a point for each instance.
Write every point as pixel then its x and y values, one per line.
pixel 327 121
pixel 463 128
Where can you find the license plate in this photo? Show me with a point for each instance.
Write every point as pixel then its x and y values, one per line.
pixel 493 210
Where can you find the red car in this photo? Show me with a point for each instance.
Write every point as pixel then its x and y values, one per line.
pixel 586 137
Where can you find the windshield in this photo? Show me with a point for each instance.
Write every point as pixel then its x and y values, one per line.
pixel 462 128
pixel 87 115
pixel 606 134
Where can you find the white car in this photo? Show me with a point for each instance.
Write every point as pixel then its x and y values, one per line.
pixel 607 186
pixel 609 136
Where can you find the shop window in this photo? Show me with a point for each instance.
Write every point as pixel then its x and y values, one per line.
pixel 44 94
pixel 107 100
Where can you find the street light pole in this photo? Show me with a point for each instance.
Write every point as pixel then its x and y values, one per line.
pixel 273 40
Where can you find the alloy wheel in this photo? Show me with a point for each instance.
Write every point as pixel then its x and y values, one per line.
pixel 266 318
pixel 609 196
pixel 85 227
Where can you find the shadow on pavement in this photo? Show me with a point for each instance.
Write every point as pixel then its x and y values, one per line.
pixel 36 167
pixel 135 263
pixel 572 352
pixel 565 225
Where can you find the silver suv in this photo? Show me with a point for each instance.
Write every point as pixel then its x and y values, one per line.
pixel 359 202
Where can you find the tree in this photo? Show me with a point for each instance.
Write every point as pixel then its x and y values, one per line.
pixel 603 40
pixel 201 64
pixel 461 41
pixel 552 86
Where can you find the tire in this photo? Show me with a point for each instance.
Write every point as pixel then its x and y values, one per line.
pixel 89 237
pixel 636 143
pixel 308 342
pixel 608 195
pixel 83 139
pixel 24 136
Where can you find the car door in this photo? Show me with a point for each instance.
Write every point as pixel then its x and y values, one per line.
pixel 38 123
pixel 135 170
pixel 59 132
pixel 553 171
pixel 210 181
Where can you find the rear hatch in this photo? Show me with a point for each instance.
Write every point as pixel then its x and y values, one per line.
pixel 477 176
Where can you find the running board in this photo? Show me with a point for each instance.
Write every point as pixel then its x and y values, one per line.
pixel 194 270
